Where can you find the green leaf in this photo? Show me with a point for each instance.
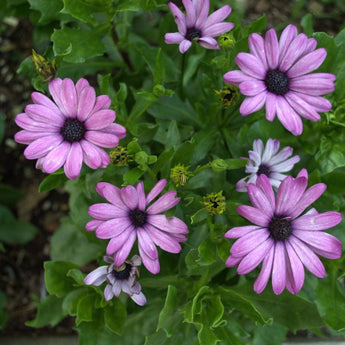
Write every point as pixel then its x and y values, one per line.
pixel 71 300
pixel 257 26
pixel 330 302
pixel 85 307
pixel 307 24
pixel 50 10
pixel 207 337
pixel 327 42
pixel 55 277
pixel 9 195
pixel 330 156
pixel 77 276
pixel 169 317
pixel 163 160
pixel 115 315
pixel 52 181
pixel 132 176
pixel 68 243
pixel 85 10
pixel 78 45
pixel 13 231
pixel 192 66
pixel 173 136
pixel 172 108
pixel 159 72
pixel 235 163
pixel 267 306
pixel 50 312
pixel 199 216
pixel 274 334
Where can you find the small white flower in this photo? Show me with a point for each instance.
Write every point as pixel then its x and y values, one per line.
pixel 118 278
pixel 266 160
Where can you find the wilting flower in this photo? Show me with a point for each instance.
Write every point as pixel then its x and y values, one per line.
pixel 281 239
pixel 130 215
pixel 278 74
pixel 268 161
pixel 118 278
pixel 69 131
pixel 180 174
pixel 195 25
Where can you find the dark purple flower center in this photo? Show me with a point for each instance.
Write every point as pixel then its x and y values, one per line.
pixel 72 130
pixel 277 82
pixel 280 228
pixel 138 217
pixel 193 34
pixel 263 169
pixel 123 272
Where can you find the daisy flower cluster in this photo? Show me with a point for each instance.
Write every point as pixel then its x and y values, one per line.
pixel 75 126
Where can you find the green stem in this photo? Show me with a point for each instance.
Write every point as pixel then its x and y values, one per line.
pixel 201 168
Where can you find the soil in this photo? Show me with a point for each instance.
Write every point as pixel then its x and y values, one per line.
pixel 21 267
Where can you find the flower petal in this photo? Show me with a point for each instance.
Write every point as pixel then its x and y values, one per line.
pixel 240 231
pixel 252 87
pixel 262 279
pixel 257 48
pixel 307 63
pixel 104 211
pixel 307 257
pixel 147 244
pixel 100 119
pixel 288 117
pixel 216 16
pixel 271 49
pixel 237 77
pixel 254 215
pixel 41 113
pixel 111 193
pixel 253 104
pixel 217 29
pixel 86 102
pixel 165 202
pixel 129 197
pixel 97 276
pixel 121 255
pixel 279 268
pixel 251 65
pixel 173 38
pixel 295 269
pixel 56 158
pixel 156 190
pixel 42 146
pixel 259 199
pixel 248 242
pixel 320 221
pixel 74 161
pixel 255 257
pixel 102 139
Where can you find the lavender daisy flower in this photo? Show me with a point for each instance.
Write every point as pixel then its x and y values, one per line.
pixel 282 239
pixel 70 130
pixel 118 278
pixel 195 25
pixel 131 215
pixel 278 74
pixel 268 161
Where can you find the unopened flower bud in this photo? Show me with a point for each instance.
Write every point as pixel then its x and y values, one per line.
pixel 119 156
pixel 180 174
pixel 159 90
pixel 228 96
pixel 44 68
pixel 226 41
pixel 218 165
pixel 214 203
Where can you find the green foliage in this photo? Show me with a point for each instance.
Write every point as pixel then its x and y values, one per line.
pixel 173 116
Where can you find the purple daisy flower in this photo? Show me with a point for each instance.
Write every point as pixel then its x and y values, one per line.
pixel 118 278
pixel 130 215
pixel 278 74
pixel 281 239
pixel 195 25
pixel 268 161
pixel 70 130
